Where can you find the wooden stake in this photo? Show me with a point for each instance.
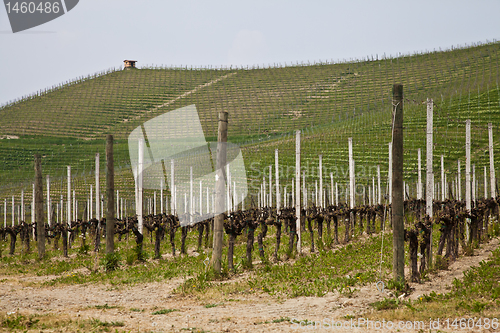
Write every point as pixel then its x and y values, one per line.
pixel 297 189
pixel 277 181
pixel 492 162
pixel 97 188
pixel 352 198
pixel 49 203
pixel 40 225
pixel 397 185
pixel 430 173
pixel 379 191
pixel 110 189
pixel 467 176
pixel 419 184
pixel 321 198
pixel 220 183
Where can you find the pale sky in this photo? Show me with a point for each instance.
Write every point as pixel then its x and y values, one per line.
pixel 99 34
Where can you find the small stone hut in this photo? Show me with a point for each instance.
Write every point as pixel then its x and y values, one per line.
pixel 129 63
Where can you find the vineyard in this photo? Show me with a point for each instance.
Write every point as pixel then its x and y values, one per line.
pixel 341 240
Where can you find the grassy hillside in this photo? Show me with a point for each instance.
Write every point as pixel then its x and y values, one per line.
pixel 328 102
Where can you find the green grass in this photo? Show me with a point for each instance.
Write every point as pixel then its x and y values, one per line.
pixel 475 295
pixel 164 311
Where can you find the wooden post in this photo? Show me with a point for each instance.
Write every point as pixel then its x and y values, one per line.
pixel 161 196
pixel 68 206
pixel 297 190
pixel 459 182
pixel 154 203
pixel 21 215
pixel 173 199
pixel 191 211
pixel 397 185
pixel 442 179
pixel 467 177
pixel 220 183
pixel 49 203
pixel 430 174
pixel 379 190
pixel 389 174
pixel 277 181
pixel 419 184
pixel 352 189
pixel 97 189
pixel 485 184
pixel 40 225
pixel 201 197
pixel 33 207
pixel 321 198
pixel 140 167
pixel 110 189
pixel 331 189
pixel 473 190
pixel 270 186
pixel 492 164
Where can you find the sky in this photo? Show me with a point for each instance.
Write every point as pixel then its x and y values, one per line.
pixel 99 34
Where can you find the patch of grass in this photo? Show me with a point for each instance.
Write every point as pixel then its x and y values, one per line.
pixel 16 321
pixel 280 320
pixel 111 262
pixel 385 304
pixel 136 310
pixel 164 311
pixel 105 307
pixel 477 293
pixel 99 323
pixel 208 306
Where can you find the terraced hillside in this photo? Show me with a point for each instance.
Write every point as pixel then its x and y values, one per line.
pixel 328 102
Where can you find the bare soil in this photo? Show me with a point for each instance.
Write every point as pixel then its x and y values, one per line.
pixel 244 312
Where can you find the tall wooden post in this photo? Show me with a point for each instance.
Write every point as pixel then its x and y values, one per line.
pixel 390 173
pixel 277 181
pixel 485 184
pixel 468 205
pixel 40 225
pixel 161 196
pixel 352 188
pixel 191 210
pixel 459 182
pixel 379 191
pixel 110 189
pixel 473 190
pixel 430 174
pixel 321 198
pixel 270 186
pixel 492 161
pixel 419 184
pixel 442 179
pixel 49 203
pixel 68 206
pixel 139 185
pixel 297 190
pixel 173 198
pixel 331 189
pixel 220 183
pixel 397 185
pixel 97 189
